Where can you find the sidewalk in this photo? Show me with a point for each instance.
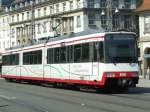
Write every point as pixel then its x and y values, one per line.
pixel 144 83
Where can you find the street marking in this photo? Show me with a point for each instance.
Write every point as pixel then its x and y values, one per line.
pixel 7 97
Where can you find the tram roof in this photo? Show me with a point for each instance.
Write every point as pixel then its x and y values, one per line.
pixel 56 38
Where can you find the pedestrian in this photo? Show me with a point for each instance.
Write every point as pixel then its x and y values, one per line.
pixel 148 72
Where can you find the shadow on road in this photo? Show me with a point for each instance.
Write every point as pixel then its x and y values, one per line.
pixel 138 90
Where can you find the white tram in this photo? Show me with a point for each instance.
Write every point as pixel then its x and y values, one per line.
pixel 96 60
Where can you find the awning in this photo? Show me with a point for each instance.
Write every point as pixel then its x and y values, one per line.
pixel 146 55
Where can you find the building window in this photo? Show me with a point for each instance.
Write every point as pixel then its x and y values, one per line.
pixel 4 44
pixel 64 6
pixel 45 9
pixel 13 18
pixel 23 41
pixel 65 26
pixel 50 26
pixel 8 33
pixel 57 23
pixel 127 3
pixel 71 24
pixel 18 32
pixel 78 4
pixel 44 27
pixel 23 31
pixel 91 3
pixel 17 17
pixel 18 42
pixel 22 16
pixel 103 21
pixel 38 1
pixel 115 3
pixel 103 3
pixel 8 20
pixel 78 21
pixel 13 33
pixel 13 44
pixel 7 44
pixel 38 28
pixel 71 5
pixel 127 22
pixel 147 24
pixel 39 12
pixel 29 30
pixel 116 21
pixel 3 20
pixel 91 18
pixel 57 8
pixel 28 15
pixel 51 9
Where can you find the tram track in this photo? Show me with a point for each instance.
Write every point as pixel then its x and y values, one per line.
pixel 122 95
pixel 79 97
pixel 66 101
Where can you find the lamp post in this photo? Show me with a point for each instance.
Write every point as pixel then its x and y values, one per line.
pixel 109 15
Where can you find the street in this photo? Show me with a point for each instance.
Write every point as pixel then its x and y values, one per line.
pixel 15 97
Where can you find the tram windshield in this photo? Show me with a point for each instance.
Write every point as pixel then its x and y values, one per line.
pixel 120 48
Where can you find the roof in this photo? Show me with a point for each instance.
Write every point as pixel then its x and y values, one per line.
pixel 145 6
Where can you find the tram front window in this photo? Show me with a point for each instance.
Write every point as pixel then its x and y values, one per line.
pixel 120 48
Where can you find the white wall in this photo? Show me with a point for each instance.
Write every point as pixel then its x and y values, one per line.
pixel 4 32
pixel 141 24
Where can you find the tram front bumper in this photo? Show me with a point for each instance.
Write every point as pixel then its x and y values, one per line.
pixel 121 82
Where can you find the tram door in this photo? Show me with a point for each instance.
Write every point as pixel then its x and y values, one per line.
pixel 94 56
pixel 97 58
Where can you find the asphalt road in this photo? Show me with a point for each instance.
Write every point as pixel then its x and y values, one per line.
pixel 15 97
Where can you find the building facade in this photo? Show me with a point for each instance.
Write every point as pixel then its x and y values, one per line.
pixel 37 19
pixel 144 41
pixel 4 32
pixel 4 26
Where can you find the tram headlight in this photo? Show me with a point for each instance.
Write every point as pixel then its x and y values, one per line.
pixel 110 75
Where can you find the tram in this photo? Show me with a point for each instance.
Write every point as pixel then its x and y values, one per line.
pixel 98 60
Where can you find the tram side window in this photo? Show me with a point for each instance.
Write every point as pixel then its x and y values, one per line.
pixel 38 57
pixel 77 53
pixel 50 56
pixel 15 59
pixel 63 55
pixel 11 59
pixel 85 52
pixel 33 57
pixel 56 55
pixel 70 54
pixel 6 60
pixel 98 54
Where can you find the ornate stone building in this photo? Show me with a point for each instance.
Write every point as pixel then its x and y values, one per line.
pixel 144 40
pixel 37 19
